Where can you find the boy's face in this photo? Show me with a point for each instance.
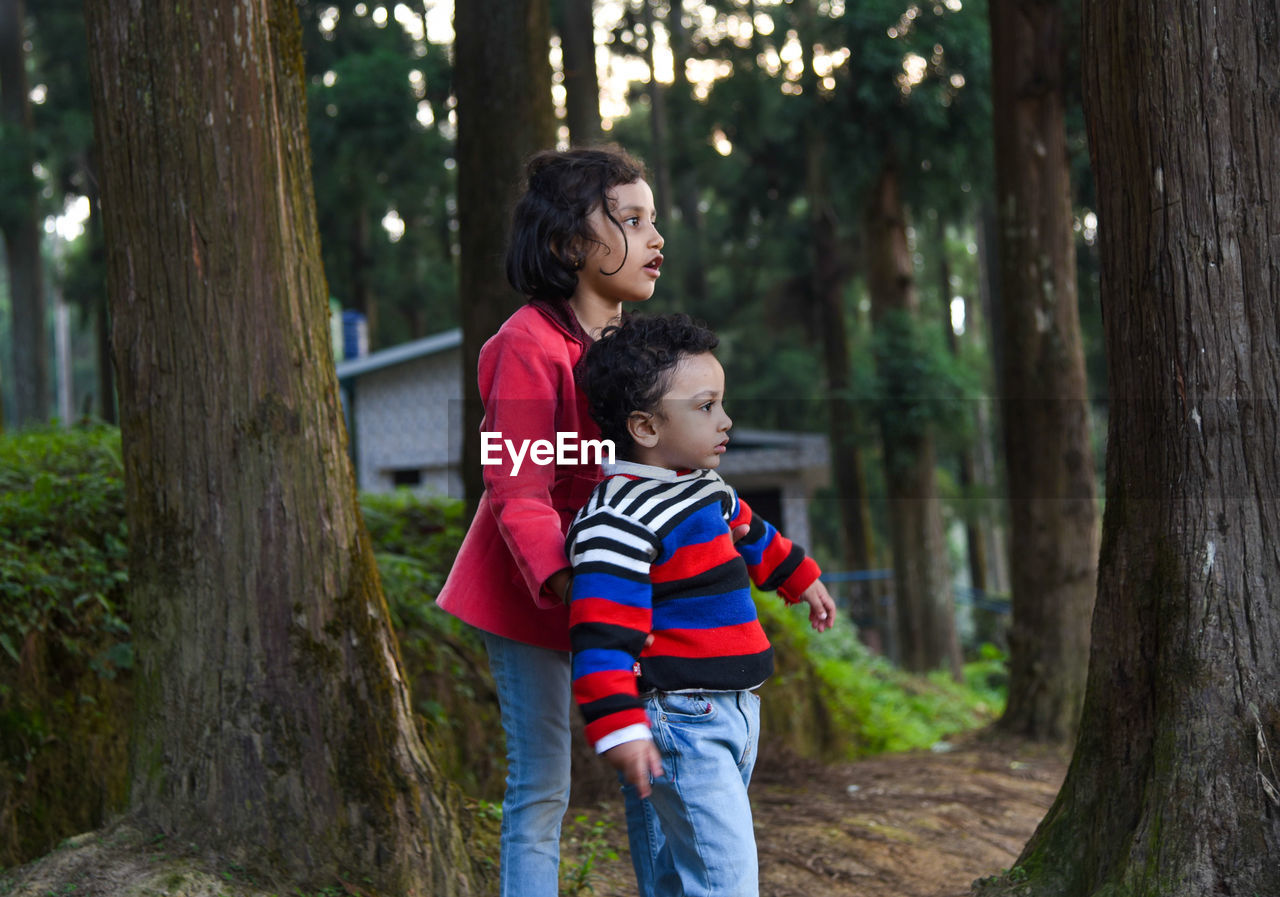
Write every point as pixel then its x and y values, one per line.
pixel 690 430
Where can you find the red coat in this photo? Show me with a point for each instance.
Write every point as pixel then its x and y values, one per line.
pixel 516 540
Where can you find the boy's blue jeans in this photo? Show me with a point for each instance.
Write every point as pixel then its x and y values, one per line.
pixel 694 836
pixel 536 700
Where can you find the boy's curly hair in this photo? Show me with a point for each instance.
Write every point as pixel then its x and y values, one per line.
pixel 629 368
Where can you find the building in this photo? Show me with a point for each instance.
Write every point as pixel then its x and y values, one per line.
pixel 404 417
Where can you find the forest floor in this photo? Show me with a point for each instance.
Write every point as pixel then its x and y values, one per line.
pixel 924 824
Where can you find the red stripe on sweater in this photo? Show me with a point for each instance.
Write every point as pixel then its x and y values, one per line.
pixel 801 579
pixel 774 554
pixel 602 610
pixel 614 721
pixel 690 560
pixel 723 641
pixel 594 686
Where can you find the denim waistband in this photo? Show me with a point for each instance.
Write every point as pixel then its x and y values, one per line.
pixel 654 693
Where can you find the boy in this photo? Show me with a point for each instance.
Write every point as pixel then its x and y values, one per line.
pixel 654 559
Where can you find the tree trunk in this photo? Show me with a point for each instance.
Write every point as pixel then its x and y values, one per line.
pixel 990 423
pixel 967 465
pixel 659 152
pixel 1049 459
pixel 20 227
pixel 505 115
pixel 1173 790
pixel 581 82
pixel 362 297
pixel 827 279
pixel 100 307
pixel 273 725
pixel 827 288
pixel 692 267
pixel 925 610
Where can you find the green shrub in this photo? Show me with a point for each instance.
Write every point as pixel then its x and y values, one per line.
pixel 868 706
pixel 416 540
pixel 65 649
pixel 63 544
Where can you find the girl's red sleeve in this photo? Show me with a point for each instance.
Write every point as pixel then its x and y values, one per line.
pixel 524 391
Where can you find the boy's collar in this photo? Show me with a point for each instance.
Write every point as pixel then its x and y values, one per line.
pixel 648 471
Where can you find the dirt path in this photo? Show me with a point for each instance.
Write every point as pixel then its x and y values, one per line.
pixel 904 825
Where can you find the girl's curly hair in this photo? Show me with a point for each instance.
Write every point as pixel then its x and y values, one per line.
pixel 629 368
pixel 549 230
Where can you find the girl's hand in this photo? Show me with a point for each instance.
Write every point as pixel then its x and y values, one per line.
pixel 637 761
pixel 822 610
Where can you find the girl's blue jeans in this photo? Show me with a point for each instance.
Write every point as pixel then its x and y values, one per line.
pixel 694 836
pixel 535 699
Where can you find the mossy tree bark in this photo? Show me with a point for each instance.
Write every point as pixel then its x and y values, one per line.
pixel 272 722
pixel 924 606
pixel 1173 787
pixel 1045 406
pixel 505 115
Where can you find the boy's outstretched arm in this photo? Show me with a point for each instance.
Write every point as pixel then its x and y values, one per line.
pixel 822 609
pixel 637 761
pixel 774 562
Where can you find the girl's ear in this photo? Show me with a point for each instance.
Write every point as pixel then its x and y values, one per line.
pixel 572 256
pixel 642 425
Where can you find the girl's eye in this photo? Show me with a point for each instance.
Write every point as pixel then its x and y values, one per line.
pixel 634 221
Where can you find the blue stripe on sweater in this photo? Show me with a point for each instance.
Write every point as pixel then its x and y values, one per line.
pixel 705 611
pixel 599 660
pixel 758 538
pixel 593 584
pixel 703 525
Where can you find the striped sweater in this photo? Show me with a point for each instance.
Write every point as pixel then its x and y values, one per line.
pixel 652 552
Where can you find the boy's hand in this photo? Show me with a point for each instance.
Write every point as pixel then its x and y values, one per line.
pixel 822 610
pixel 739 531
pixel 637 761
pixel 561 583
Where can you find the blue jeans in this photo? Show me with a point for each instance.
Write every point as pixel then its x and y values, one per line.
pixel 694 837
pixel 535 698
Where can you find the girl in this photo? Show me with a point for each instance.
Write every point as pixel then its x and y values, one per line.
pixel 583 244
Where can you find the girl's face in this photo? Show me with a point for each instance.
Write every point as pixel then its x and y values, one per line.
pixel 624 265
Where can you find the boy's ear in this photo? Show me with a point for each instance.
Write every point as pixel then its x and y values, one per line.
pixel 643 428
